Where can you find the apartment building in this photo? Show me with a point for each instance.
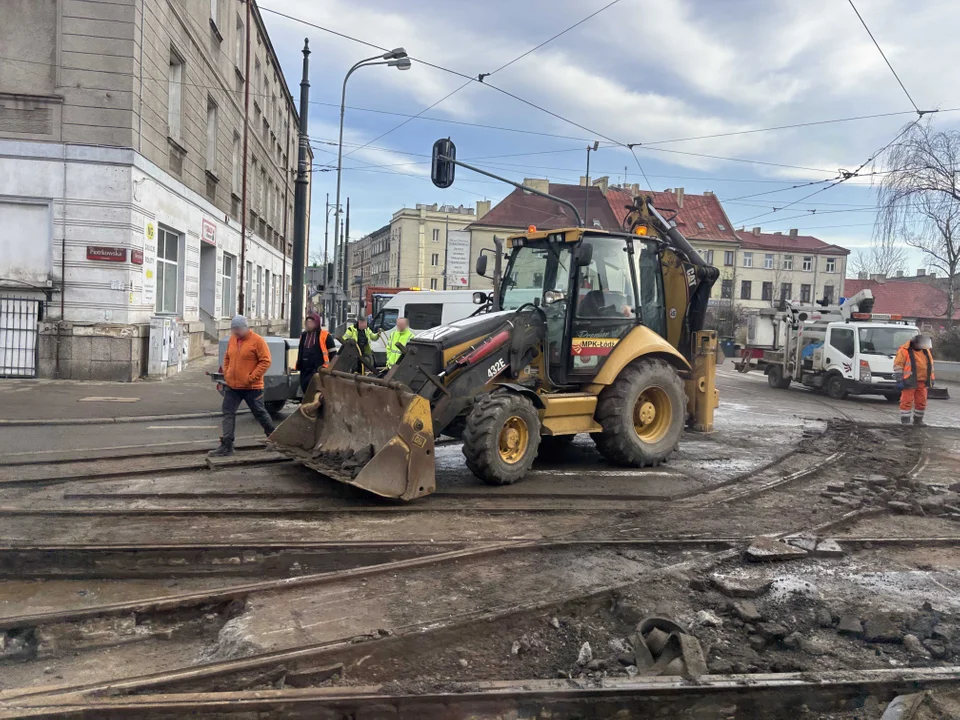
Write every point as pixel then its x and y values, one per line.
pixel 773 266
pixel 140 140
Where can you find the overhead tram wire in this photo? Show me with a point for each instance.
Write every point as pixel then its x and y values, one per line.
pixel 482 76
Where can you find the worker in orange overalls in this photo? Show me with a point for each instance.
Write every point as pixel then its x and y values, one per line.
pixel 913 371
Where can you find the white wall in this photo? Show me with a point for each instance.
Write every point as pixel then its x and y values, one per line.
pixel 109 197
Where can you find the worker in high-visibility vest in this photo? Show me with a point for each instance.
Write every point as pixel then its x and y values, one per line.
pixel 317 348
pixel 364 337
pixel 913 371
pixel 398 337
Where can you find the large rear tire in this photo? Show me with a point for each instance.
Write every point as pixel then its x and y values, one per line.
pixel 642 414
pixel 274 407
pixel 501 437
pixel 776 379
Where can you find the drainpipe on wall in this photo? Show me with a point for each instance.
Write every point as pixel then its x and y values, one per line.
pixel 241 290
pixel 63 256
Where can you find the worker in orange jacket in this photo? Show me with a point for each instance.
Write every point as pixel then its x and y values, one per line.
pixel 913 371
pixel 244 365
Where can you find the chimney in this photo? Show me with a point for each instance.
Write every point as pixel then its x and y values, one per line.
pixel 708 193
pixel 931 275
pixel 899 273
pixel 793 232
pixel 862 276
pixel 603 183
pixel 635 189
pixel 921 272
pixel 538 184
pixel 679 197
pixel 879 277
pixel 756 231
pixel 778 233
pixel 583 180
pixel 483 207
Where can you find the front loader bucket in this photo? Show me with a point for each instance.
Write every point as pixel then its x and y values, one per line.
pixel 362 431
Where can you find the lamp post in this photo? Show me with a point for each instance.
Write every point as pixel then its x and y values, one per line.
pixel 394 58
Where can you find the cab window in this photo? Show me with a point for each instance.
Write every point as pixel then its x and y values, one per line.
pixel 650 281
pixel 605 286
pixel 841 340
pixel 385 320
pixel 423 316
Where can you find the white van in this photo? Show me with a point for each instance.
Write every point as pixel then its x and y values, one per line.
pixel 424 309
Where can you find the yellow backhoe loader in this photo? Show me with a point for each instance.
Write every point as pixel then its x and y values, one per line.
pixel 586 331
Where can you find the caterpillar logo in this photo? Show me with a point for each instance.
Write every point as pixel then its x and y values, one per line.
pixel 585 347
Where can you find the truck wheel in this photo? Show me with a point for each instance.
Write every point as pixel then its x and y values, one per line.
pixel 642 414
pixel 776 379
pixel 274 406
pixel 501 437
pixel 836 388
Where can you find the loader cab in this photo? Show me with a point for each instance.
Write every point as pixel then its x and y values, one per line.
pixel 593 288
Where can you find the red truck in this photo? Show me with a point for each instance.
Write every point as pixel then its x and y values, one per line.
pixel 377 297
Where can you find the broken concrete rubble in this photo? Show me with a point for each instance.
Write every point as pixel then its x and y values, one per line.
pixel 740 587
pixel 880 628
pixel 850 625
pixel 765 549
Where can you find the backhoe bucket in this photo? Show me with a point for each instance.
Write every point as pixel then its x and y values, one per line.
pixel 362 431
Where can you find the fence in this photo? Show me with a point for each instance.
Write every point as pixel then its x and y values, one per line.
pixel 19 319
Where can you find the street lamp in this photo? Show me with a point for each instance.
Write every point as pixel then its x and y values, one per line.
pixel 393 58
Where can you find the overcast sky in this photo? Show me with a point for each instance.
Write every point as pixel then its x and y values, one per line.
pixel 640 71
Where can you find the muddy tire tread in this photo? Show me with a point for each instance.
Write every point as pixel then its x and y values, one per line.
pixel 482 431
pixel 615 443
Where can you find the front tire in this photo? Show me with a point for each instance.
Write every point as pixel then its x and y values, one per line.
pixel 501 437
pixel 836 388
pixel 642 414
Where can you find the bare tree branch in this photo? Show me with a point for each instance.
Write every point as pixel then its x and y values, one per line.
pixel 918 200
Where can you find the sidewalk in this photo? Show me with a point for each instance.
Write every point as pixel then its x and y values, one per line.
pixel 190 393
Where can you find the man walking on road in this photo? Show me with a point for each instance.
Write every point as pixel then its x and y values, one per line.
pixel 400 335
pixel 913 371
pixel 244 364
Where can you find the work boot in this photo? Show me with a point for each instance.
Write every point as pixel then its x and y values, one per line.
pixel 918 420
pixel 223 450
pixel 904 419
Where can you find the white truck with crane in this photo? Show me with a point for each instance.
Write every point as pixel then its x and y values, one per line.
pixel 844 349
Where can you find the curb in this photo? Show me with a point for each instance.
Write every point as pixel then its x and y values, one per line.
pixel 108 420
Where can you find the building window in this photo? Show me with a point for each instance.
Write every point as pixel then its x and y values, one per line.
pixel 433 283
pixel 235 173
pixel 215 11
pixel 211 136
pixel 766 292
pixel 435 259
pixel 701 225
pixel 168 271
pixel 261 187
pixel 266 293
pixel 259 306
pixel 768 261
pixel 708 257
pixel 787 263
pixel 748 259
pixel 805 293
pixel 831 264
pixel 228 305
pixel 807 264
pixel 256 83
pixel 174 94
pixel 746 289
pixel 248 296
pixel 240 49
pixel 828 294
pixel 721 226
pixel 726 289
pixel 786 291
pixel 436 235
pixel 728 257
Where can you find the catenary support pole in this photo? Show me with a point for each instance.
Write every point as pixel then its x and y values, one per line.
pixel 300 202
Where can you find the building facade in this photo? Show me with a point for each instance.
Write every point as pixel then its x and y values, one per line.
pixel 133 135
pixel 425 246
pixel 773 266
